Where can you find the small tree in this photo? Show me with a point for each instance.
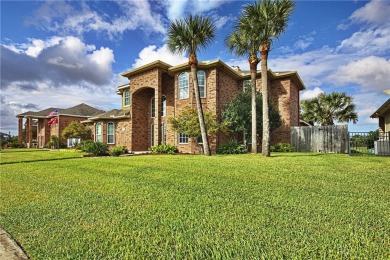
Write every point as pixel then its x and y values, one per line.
pixel 237 115
pixel 76 130
pixel 188 123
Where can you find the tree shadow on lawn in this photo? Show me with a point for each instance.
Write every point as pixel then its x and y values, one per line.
pixel 296 154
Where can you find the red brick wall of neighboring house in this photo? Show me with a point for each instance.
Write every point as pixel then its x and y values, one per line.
pixel 64 122
pixel 43 133
pixel 168 90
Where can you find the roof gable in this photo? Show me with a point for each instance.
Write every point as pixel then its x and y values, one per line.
pixel 382 110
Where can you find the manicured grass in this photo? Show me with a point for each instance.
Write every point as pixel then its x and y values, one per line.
pixel 8 156
pixel 241 207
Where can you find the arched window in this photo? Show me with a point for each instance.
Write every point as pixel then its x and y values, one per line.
pixel 183 85
pixel 99 132
pixel 126 97
pixel 152 108
pixel 202 83
pixel 163 106
pixel 110 133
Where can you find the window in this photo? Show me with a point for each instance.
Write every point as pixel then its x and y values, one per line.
pixel 247 85
pixel 163 106
pixel 202 83
pixel 126 97
pixel 183 85
pixel 163 133
pixel 110 133
pixel 98 132
pixel 152 108
pixel 183 138
pixel 199 140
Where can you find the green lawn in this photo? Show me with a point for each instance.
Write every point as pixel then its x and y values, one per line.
pixel 242 207
pixel 8 156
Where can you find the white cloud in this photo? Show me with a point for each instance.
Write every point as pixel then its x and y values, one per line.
pixel 177 8
pixel 311 93
pixel 152 53
pixel 78 18
pixel 370 72
pixel 376 11
pixel 371 40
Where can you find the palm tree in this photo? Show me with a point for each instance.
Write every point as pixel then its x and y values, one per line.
pixel 272 18
pixel 244 41
pixel 188 36
pixel 325 109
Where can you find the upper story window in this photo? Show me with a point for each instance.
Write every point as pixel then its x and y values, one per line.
pixel 202 83
pixel 99 132
pixel 126 97
pixel 183 85
pixel 110 133
pixel 152 107
pixel 247 85
pixel 163 106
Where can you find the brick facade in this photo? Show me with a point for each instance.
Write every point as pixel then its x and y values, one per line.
pixel 158 79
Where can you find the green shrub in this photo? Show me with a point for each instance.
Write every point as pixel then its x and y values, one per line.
pixel 164 149
pixel 231 147
pixel 55 143
pixel 118 150
pixel 282 147
pixel 96 148
pixel 84 145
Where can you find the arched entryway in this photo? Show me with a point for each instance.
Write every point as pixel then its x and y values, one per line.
pixel 142 119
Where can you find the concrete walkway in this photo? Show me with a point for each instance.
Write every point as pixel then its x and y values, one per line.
pixel 9 249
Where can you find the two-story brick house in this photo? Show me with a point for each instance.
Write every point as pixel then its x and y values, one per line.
pixel 38 130
pixel 157 91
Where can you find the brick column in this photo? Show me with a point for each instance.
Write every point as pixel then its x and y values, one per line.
pixel 157 102
pixel 20 129
pixel 29 132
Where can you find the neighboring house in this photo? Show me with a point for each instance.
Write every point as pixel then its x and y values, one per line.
pixel 4 136
pixel 383 114
pixel 40 121
pixel 157 91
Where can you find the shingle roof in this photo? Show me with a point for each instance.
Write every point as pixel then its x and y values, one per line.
pixel 82 110
pixel 112 114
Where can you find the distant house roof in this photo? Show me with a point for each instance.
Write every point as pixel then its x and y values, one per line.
pixel 81 110
pixel 234 71
pixel 382 110
pixel 112 114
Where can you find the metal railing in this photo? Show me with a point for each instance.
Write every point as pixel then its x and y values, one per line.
pixel 369 143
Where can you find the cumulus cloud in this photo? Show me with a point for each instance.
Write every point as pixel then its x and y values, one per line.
pixel 79 18
pixel 152 53
pixel 311 93
pixel 176 9
pixel 371 73
pixel 376 11
pixel 59 61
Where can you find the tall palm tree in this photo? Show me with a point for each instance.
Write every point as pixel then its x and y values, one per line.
pixel 327 108
pixel 272 16
pixel 245 41
pixel 189 35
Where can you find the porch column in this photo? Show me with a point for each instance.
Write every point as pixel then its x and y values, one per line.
pixel 157 102
pixel 20 129
pixel 29 132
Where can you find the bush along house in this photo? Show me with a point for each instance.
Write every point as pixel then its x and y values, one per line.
pixel 158 91
pixel 36 128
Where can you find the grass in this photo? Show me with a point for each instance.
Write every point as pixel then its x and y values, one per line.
pixel 243 206
pixel 8 156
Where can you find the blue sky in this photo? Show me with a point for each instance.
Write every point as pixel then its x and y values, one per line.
pixel 60 53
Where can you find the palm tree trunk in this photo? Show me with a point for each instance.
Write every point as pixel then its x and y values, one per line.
pixel 203 129
pixel 253 61
pixel 264 49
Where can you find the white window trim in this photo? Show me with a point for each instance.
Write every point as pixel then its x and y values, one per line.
pixel 179 139
pixel 113 133
pixel 124 97
pixel 188 85
pixel 205 88
pixel 163 133
pixel 96 132
pixel 243 84
pixel 151 135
